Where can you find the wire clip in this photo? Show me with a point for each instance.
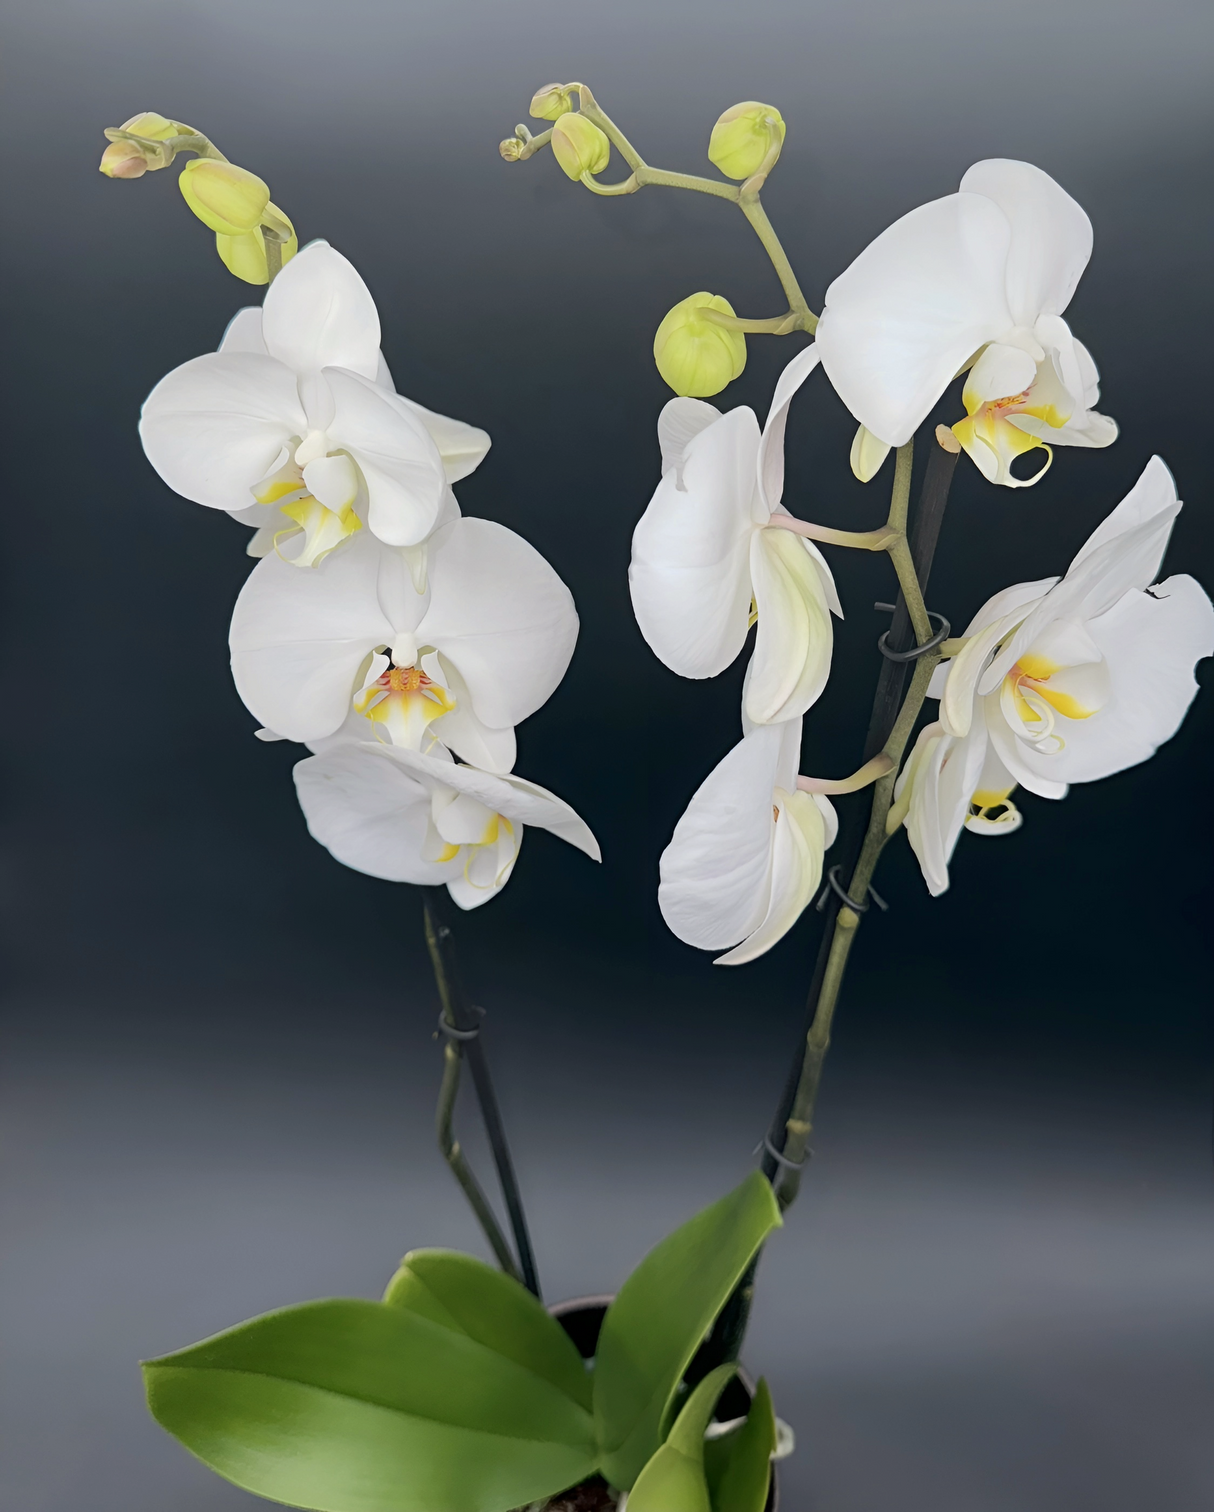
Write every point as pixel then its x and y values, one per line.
pixel 833 884
pixel 779 1157
pixel 459 1034
pixel 941 635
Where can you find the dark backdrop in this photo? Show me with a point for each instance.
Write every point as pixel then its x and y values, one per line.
pixel 994 1291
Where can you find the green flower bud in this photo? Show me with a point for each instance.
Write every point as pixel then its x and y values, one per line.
pixel 245 256
pixel 743 136
pixel 579 146
pixel 695 356
pixel 511 149
pixel 228 199
pixel 551 102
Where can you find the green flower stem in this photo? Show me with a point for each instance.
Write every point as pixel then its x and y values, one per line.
pixel 462 1017
pixel 454 1156
pixel 757 216
pixel 859 540
pixel 189 141
pixel 799 1123
pixel 745 196
pixel 775 325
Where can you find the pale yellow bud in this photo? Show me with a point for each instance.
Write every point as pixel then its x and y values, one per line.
pixel 245 256
pixel 579 146
pixel 129 160
pixel 695 356
pixel 123 160
pixel 867 455
pixel 511 149
pixel 155 128
pixel 743 136
pixel 228 199
pixel 551 102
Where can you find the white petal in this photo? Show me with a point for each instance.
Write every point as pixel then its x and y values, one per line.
pixel 1152 499
pixel 244 332
pixel 370 813
pixel 1022 596
pixel 913 307
pixel 215 426
pixel 796 874
pixel 795 638
pixel 404 474
pixel 520 801
pixel 318 313
pixel 690 573
pixel 493 750
pixel 942 774
pixel 461 447
pixel 1151 643
pixel 1051 235
pixel 771 447
pixel 1123 552
pixel 960 691
pixel 1000 372
pixel 500 616
pixel 332 480
pixel 298 638
pixel 716 871
pixel 1021 759
pixel 680 422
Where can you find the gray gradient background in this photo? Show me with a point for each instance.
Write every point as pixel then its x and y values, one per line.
pixel 995 1292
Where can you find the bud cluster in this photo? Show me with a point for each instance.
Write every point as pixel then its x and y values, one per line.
pixel 229 200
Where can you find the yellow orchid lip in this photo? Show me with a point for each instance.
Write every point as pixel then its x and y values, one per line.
pixel 403 702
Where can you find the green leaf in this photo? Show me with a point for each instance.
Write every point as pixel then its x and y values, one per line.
pixel 472 1298
pixel 662 1313
pixel 350 1406
pixel 738 1466
pixel 673 1480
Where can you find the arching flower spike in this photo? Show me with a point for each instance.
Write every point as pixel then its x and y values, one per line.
pixel 409 817
pixel 1062 681
pixel 295 411
pixel 706 556
pixel 746 858
pixel 977 280
pixel 480 649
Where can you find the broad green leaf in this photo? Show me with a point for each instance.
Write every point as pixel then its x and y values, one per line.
pixel 662 1313
pixel 738 1466
pixel 350 1406
pixel 673 1480
pixel 472 1298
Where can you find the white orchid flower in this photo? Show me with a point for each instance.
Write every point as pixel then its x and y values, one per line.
pixel 708 556
pixel 407 816
pixel 1064 680
pixel 296 413
pixel 354 646
pixel 746 858
pixel 977 280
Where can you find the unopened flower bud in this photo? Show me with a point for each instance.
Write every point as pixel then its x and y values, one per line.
pixel 128 160
pixel 551 102
pixel 579 146
pixel 123 160
pixel 511 149
pixel 149 124
pixel 228 199
pixel 245 256
pixel 744 136
pixel 695 356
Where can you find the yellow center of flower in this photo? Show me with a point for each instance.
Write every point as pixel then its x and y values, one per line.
pixel 402 702
pixel 323 527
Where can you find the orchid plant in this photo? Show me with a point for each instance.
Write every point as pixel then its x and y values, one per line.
pixel 401 642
